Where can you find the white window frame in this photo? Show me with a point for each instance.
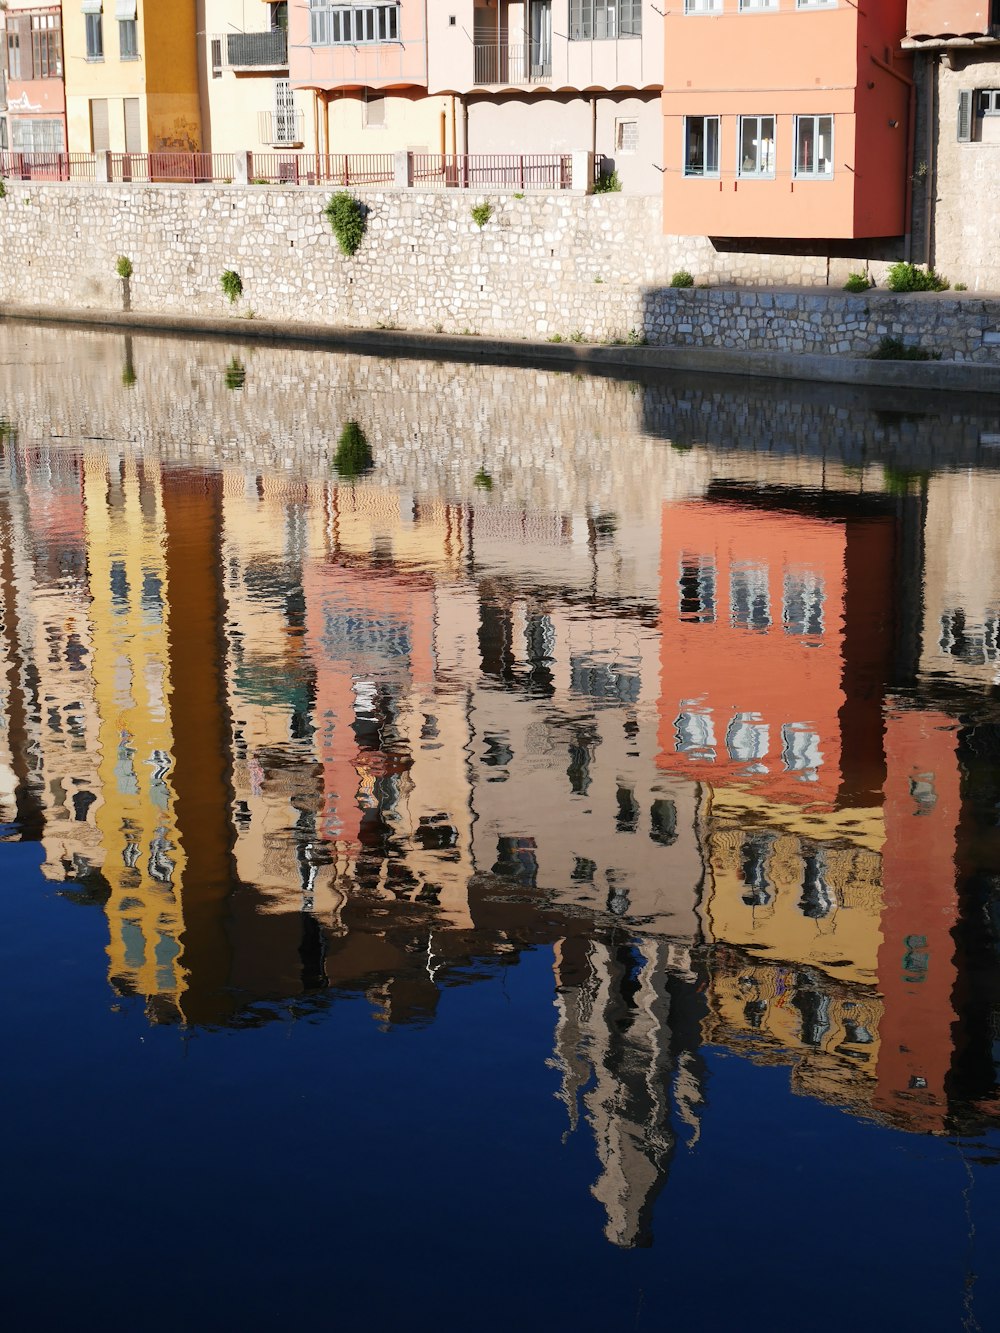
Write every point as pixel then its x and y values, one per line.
pixel 764 171
pixel 702 6
pixel 353 25
pixel 797 171
pixel 704 174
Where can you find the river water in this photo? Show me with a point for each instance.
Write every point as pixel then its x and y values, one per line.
pixel 486 847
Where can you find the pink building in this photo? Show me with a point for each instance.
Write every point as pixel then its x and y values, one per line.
pixel 33 73
pixel 486 76
pixel 786 118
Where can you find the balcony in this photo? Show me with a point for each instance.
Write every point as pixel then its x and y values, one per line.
pixel 281 128
pixel 250 51
pixel 524 63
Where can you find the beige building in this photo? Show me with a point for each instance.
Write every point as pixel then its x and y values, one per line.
pixel 132 76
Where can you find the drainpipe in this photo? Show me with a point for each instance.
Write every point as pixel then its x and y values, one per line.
pixel 454 128
pixel 593 123
pixel 932 156
pixel 465 125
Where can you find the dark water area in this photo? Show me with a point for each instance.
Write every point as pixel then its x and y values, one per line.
pixel 487 847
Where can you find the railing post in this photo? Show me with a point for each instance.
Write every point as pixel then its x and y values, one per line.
pixel 581 179
pixel 242 168
pixel 402 170
pixel 103 172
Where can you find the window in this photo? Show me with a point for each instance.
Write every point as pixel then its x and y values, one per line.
pixel 814 146
pixel 815 4
pixel 756 146
pixel 701 145
pixel 216 57
pixel 31 134
pixel 284 112
pixel 95 36
pixel 591 20
pixel 375 113
pixel 627 136
pixel 128 39
pixel 758 4
pixel 100 138
pixel 46 46
pixel 989 102
pixel 279 16
pixel 352 25
pixel 13 53
pixel 702 6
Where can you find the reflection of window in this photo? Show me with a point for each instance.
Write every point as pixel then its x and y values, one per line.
pixel 694 734
pixel 814 1008
pixel 697 588
pixel 516 860
pixel 805 594
pixel 756 146
pixel 628 811
pixel 747 738
pixel 663 822
pixel 701 145
pixel 757 887
pixel 800 752
pixel 581 756
pixel 817 899
pixel 749 596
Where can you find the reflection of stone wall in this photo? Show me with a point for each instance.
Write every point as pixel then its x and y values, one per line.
pixel 545 265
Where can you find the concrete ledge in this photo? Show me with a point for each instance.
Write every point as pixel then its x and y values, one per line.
pixel 944 376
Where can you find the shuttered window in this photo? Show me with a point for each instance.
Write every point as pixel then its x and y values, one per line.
pixel 100 138
pixel 965 114
pixel 133 126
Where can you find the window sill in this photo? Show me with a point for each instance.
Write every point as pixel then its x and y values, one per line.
pixel 94 60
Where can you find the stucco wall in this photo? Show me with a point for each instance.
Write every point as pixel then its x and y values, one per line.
pixel 595 268
pixel 967 176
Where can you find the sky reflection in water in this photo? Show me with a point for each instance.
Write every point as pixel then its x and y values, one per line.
pixel 629 754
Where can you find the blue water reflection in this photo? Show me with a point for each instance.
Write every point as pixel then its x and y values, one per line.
pixel 549 876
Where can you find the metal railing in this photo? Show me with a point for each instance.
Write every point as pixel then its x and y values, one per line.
pixel 252 50
pixel 513 171
pixel 321 168
pixel 47 166
pixel 524 62
pixel 505 171
pixel 171 168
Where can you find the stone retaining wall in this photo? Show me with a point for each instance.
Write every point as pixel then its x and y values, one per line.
pixel 544 266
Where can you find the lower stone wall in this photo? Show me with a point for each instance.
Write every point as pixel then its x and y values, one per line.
pixel 543 266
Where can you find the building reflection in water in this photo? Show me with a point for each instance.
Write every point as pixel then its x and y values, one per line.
pixel 300 739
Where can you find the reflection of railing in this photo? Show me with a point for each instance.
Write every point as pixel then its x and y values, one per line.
pixel 526 62
pixel 515 171
pixel 253 50
pixel 321 168
pixel 280 126
pixel 47 166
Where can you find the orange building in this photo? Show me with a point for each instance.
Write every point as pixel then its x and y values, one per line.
pixel 771 655
pixel 36 92
pixel 785 118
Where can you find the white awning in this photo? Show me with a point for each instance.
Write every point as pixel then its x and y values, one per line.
pixel 124 9
pixel 92 6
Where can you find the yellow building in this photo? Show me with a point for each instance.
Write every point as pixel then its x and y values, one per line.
pixel 132 76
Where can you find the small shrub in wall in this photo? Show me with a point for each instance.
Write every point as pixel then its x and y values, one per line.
pixel 232 285
pixel 857 282
pixel 894 349
pixel 908 278
pixel 608 183
pixel 346 216
pixel 123 267
pixel 682 278
pixel 481 214
pixel 3 188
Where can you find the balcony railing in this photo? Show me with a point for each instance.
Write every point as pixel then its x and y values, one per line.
pixel 280 127
pixel 510 171
pixel 250 50
pixel 525 62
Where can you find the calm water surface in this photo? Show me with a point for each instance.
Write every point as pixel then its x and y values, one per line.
pixel 489 848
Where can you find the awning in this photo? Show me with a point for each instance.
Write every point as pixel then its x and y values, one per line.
pixel 124 9
pixel 92 6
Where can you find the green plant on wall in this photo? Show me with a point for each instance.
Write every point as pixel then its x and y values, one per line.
pixel 608 183
pixel 232 285
pixel 908 278
pixel 3 188
pixel 481 214
pixel 682 278
pixel 354 455
pixel 123 267
pixel 346 216
pixel 857 282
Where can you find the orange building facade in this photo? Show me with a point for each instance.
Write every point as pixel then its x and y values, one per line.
pixel 786 118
